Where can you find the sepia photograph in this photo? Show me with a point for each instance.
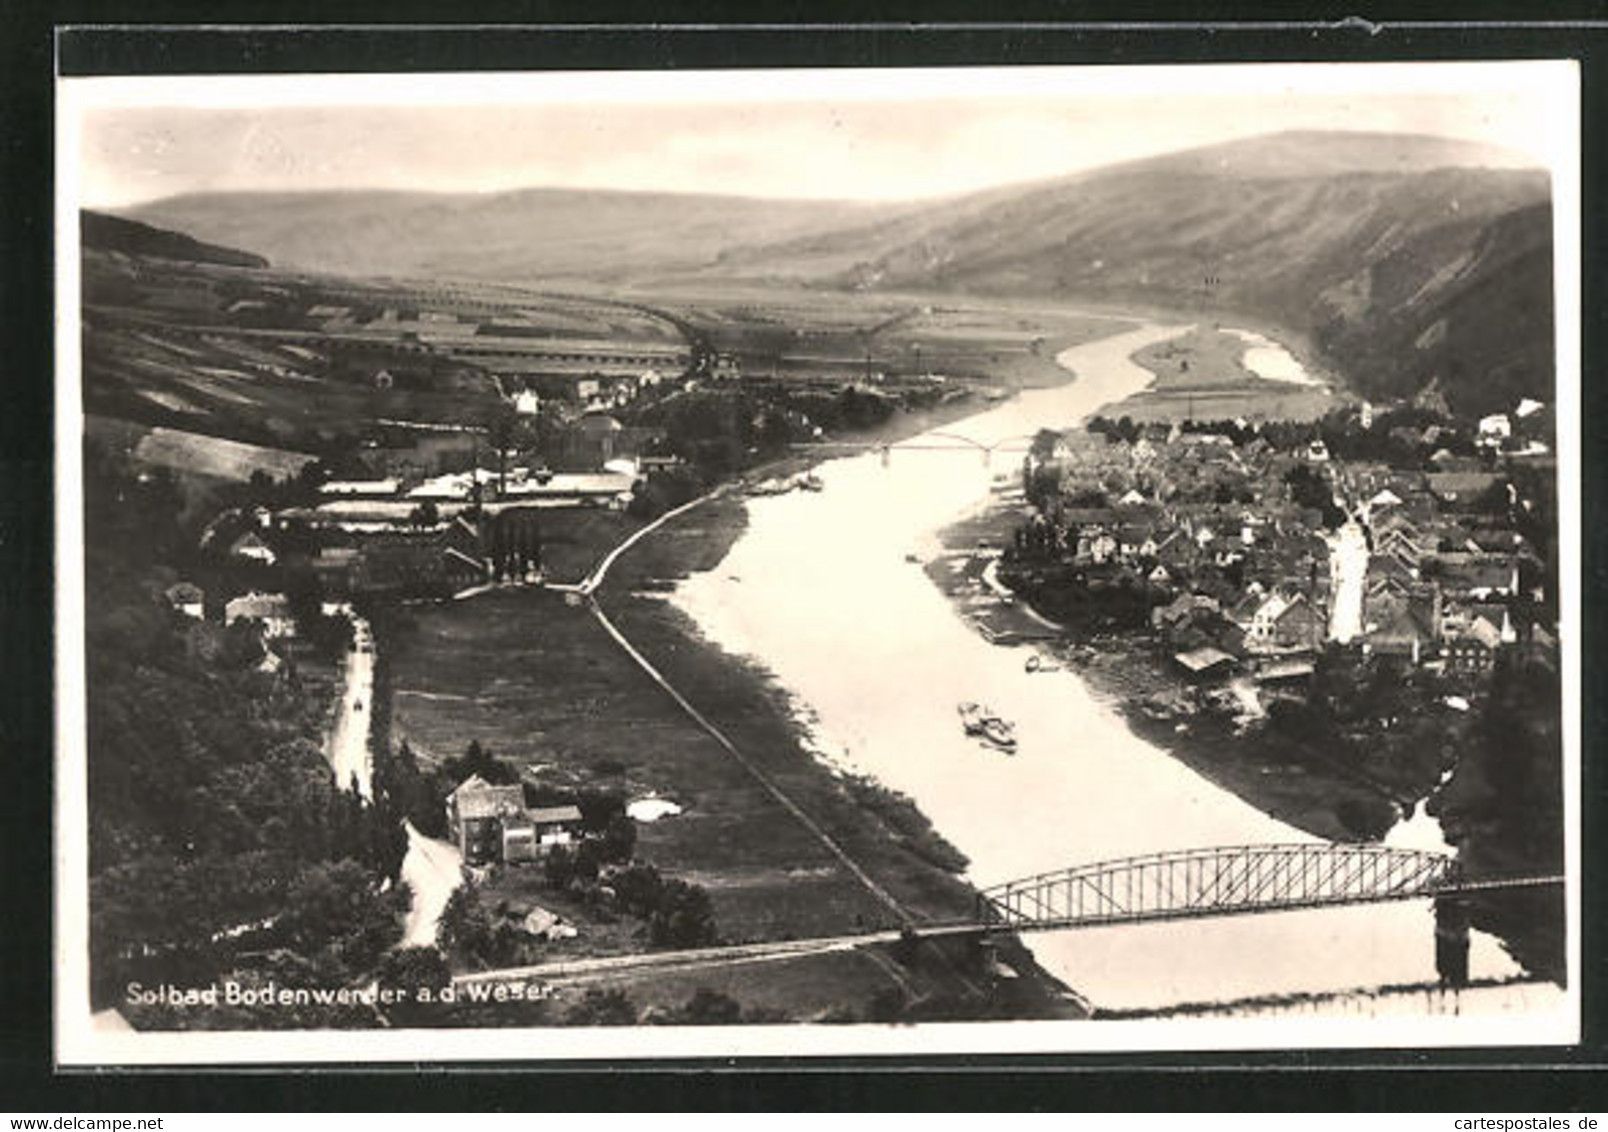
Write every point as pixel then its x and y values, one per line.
pixel 582 565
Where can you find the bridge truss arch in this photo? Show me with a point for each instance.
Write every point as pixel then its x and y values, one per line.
pixel 960 441
pixel 1229 880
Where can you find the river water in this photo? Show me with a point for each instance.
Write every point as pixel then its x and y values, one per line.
pixel 818 589
pixel 1271 361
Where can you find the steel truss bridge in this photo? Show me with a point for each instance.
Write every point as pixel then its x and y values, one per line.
pixel 1232 880
pixel 926 442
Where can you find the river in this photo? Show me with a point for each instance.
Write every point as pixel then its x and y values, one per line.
pixel 1271 361
pixel 819 590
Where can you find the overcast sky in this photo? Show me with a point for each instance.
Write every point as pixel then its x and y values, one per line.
pixel 821 134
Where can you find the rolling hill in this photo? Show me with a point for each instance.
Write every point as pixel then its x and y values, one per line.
pixel 522 235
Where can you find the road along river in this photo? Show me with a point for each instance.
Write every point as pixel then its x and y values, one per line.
pixel 877 658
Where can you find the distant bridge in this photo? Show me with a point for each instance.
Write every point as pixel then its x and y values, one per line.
pixel 926 442
pixel 1232 880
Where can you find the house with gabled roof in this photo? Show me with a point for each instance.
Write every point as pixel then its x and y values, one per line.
pixel 1397 626
pixel 1283 620
pixel 1388 570
pixel 1477 575
pixel 538 831
pixel 476 811
pixel 1472 652
pixel 250 547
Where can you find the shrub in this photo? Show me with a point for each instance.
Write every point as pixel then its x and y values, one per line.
pixel 619 839
pixel 558 867
pixel 709 1008
pixel 684 917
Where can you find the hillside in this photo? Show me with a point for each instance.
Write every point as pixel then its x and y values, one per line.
pixel 528 234
pixel 101 232
pixel 1468 306
pixel 1402 258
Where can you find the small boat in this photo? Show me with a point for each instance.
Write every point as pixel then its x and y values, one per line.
pixel 1036 663
pixel 1000 733
pixel 981 723
pixel 809 481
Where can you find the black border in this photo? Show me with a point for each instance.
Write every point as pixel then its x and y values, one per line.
pixel 629 36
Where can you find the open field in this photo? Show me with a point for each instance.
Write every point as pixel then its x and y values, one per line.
pixel 182 379
pixel 192 454
pixel 291 360
pixel 831 333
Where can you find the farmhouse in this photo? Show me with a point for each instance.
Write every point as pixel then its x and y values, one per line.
pixel 490 823
pixel 1398 631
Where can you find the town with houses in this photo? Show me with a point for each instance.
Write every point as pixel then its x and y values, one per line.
pixel 1254 545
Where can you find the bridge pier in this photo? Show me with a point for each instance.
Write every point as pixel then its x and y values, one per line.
pixel 1451 941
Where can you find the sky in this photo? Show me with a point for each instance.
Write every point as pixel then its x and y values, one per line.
pixel 867 135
